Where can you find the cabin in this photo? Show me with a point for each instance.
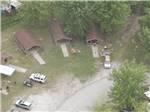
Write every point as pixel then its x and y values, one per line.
pixel 26 41
pixel 58 32
pixel 4 58
pixel 92 36
pixel 59 36
pixel 92 39
pixel 29 44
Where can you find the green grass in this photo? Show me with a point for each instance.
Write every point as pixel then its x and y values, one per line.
pixel 82 65
pixel 110 107
pixel 9 20
pixel 137 52
pixel 131 50
pixel 106 107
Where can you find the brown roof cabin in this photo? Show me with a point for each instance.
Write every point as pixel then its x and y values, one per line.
pixel 58 32
pixel 92 36
pixel 4 58
pixel 26 41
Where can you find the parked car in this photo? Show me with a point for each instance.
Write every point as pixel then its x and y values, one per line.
pixel 107 63
pixel 38 77
pixel 106 52
pixel 147 94
pixel 28 82
pixel 23 104
pixel 127 110
pixel 14 110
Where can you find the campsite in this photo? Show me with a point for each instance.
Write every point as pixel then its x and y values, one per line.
pixel 75 56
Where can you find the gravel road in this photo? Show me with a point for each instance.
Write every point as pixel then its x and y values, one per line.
pixel 70 95
pixel 94 90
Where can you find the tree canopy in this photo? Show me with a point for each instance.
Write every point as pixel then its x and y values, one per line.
pixel 128 89
pixel 36 13
pixel 111 15
pixel 76 15
pixel 144 33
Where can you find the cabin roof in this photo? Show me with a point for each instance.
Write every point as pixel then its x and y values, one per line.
pixel 92 33
pixel 26 40
pixel 58 32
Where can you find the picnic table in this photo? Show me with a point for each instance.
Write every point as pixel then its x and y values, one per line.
pixel 74 51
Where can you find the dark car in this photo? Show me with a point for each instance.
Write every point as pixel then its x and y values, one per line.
pixel 126 110
pixel 14 110
pixel 28 82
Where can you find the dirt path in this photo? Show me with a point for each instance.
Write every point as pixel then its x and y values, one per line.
pixel 18 68
pixel 88 94
pixel 86 97
pixel 37 56
pixel 130 28
pixel 64 50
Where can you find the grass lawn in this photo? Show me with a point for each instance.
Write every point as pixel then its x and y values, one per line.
pixel 131 50
pixel 82 65
pixel 110 107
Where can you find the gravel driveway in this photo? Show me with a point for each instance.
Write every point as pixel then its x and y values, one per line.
pixel 69 95
pixel 86 96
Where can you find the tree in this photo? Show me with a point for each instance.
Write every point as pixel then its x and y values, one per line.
pixel 144 33
pixel 127 90
pixel 75 16
pixel 111 15
pixel 133 5
pixel 36 13
pixel 144 37
pixel 146 6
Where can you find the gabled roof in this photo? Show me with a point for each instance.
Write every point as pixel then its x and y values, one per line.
pixel 58 32
pixel 26 40
pixel 6 70
pixel 92 33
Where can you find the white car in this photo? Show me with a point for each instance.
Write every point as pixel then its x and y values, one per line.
pixel 23 104
pixel 38 77
pixel 107 63
pixel 147 94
